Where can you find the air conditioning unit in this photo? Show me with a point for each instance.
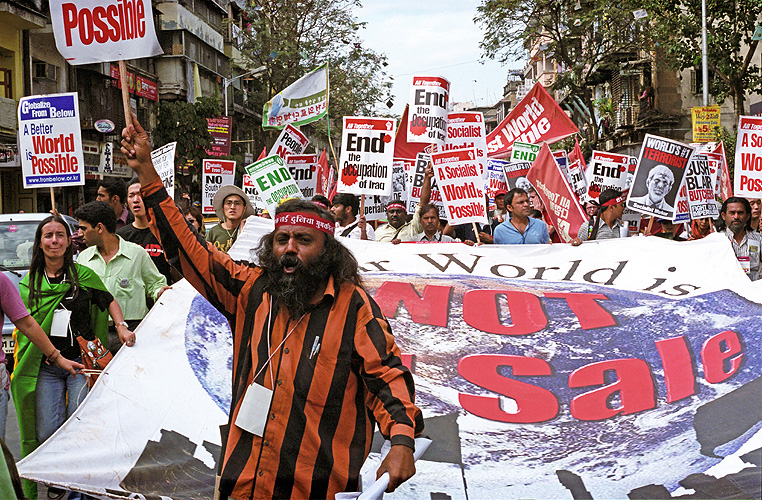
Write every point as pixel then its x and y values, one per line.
pixel 43 70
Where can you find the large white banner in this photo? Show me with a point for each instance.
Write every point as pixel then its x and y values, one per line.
pixel 367 154
pixel 217 173
pixel 92 31
pixel 427 122
pixel 50 141
pixel 304 101
pixel 747 178
pixel 596 375
pixel 163 160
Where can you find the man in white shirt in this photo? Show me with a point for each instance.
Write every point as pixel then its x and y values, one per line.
pixel 344 209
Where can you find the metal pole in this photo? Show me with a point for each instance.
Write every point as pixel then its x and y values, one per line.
pixel 704 51
pixel 227 81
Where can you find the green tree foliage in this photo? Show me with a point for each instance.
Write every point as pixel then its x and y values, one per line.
pixel 586 38
pixel 185 123
pixel 292 38
pixel 676 27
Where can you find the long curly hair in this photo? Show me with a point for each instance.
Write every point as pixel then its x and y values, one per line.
pixel 37 265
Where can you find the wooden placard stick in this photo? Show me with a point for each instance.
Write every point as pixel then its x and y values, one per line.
pixel 125 93
pixel 650 223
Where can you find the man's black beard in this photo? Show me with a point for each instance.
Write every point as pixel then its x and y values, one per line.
pixel 295 290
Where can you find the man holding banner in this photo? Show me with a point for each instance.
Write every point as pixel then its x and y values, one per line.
pixel 314 365
pixel 398 227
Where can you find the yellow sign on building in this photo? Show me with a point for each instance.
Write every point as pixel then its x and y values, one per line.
pixel 705 119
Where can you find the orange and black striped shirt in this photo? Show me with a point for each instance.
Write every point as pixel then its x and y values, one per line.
pixel 325 405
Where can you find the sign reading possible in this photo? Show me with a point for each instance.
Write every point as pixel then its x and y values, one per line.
pixel 50 144
pixel 461 185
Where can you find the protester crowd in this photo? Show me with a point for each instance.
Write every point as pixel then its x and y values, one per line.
pixel 122 268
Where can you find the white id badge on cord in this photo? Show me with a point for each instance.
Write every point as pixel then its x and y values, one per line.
pixel 60 325
pixel 252 416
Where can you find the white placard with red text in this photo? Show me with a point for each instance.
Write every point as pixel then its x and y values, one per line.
pixel 415 179
pixel 50 143
pixel 252 193
pixel 748 171
pixel 427 120
pixel 291 141
pixel 461 186
pixel 466 130
pixel 217 173
pixel 303 169
pixel 606 171
pixel 92 31
pixel 367 154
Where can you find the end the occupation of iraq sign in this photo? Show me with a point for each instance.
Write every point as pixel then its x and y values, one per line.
pixel 428 110
pixel 367 155
pixel 50 144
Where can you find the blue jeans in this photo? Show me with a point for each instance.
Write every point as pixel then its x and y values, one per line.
pixel 53 386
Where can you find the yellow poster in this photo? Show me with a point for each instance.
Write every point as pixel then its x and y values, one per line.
pixel 705 119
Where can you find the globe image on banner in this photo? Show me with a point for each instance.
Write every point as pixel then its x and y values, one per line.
pixel 209 347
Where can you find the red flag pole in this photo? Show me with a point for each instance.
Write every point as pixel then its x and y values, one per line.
pixel 125 93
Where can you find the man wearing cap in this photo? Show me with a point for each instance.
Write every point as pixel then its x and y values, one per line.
pixel 398 227
pixel 606 224
pixel 315 365
pixel 232 206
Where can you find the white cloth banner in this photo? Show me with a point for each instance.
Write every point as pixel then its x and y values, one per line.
pixel 533 364
pixel 304 101
pixel 163 160
pixel 93 31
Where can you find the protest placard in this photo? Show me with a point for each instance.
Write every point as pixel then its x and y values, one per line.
pixel 561 204
pixel 698 181
pixel 365 164
pixel 524 152
pixel 536 118
pixel 578 181
pixel 107 158
pixel 415 178
pixel 402 148
pixel 163 160
pixel 516 175
pixel 495 179
pixel 748 165
pixel 50 143
pixel 251 192
pixel 466 130
pixel 220 129
pixel 429 97
pixel 291 141
pixel 375 207
pixel 682 208
pixel 217 173
pixel 705 119
pixel 273 181
pixel 461 186
pixel 606 171
pixel 400 172
pixel 304 101
pixel 92 31
pixel 661 168
pixel 303 168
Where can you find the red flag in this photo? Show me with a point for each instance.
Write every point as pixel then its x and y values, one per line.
pixel 726 184
pixel 561 204
pixel 536 119
pixel 402 148
pixel 322 174
pixel 263 154
pixel 576 154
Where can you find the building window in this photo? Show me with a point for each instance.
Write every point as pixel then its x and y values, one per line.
pixel 6 83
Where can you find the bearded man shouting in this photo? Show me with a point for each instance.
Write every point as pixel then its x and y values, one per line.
pixel 315 365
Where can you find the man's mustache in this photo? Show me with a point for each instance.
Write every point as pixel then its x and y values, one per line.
pixel 289 260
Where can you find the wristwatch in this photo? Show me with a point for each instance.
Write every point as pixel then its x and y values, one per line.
pixel 122 323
